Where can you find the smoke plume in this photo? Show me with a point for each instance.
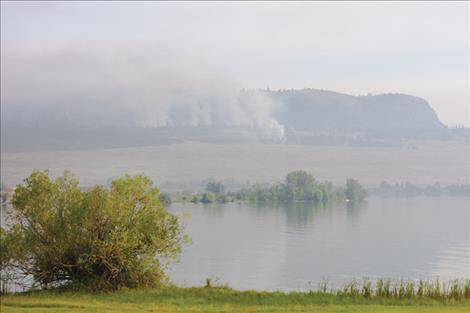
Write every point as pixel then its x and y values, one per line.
pixel 128 87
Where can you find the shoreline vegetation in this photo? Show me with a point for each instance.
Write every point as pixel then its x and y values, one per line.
pixel 297 186
pixel 201 192
pixel 119 239
pixel 357 296
pixel 432 290
pixel 407 189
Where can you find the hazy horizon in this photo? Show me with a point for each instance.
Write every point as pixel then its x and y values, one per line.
pixel 149 57
pixel 142 65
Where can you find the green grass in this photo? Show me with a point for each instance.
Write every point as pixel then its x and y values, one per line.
pixel 174 299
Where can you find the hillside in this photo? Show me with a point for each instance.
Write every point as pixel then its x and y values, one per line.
pixel 308 116
pixel 319 110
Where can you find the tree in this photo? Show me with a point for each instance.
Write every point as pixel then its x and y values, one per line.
pixel 196 199
pixel 215 187
pixel 101 238
pixel 208 197
pixel 354 191
pixel 300 185
pixel 165 198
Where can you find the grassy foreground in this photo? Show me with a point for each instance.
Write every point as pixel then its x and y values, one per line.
pixel 173 299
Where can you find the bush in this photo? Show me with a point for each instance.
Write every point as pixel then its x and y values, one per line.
pixel 215 187
pixel 165 198
pixel 354 191
pixel 208 197
pixel 196 199
pixel 101 238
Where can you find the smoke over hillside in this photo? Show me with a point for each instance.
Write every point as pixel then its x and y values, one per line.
pixel 111 96
pixel 95 87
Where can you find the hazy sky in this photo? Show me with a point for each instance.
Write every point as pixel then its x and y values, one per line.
pixel 416 48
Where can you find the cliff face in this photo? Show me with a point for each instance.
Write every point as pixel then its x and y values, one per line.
pixel 317 110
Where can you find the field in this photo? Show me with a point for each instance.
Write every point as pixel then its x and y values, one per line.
pixel 173 299
pixel 418 162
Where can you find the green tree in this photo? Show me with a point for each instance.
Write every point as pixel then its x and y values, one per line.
pixel 300 185
pixel 196 198
pixel 208 197
pixel 223 198
pixel 354 191
pixel 215 187
pixel 101 238
pixel 165 198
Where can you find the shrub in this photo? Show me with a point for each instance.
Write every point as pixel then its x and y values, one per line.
pixel 215 187
pixel 196 198
pixel 165 198
pixel 100 238
pixel 208 197
pixel 354 191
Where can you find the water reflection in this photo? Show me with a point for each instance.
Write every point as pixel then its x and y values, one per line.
pixel 354 209
pixel 298 244
pixel 215 209
pixel 297 214
pixel 302 214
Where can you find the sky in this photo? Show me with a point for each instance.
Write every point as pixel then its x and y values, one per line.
pixel 79 49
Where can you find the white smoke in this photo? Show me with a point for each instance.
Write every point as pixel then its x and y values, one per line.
pixel 143 87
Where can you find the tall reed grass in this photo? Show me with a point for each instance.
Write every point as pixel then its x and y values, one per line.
pixel 457 289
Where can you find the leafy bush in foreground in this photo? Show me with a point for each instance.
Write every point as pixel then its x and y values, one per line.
pixel 101 238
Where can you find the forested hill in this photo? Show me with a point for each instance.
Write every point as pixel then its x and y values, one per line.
pixel 320 110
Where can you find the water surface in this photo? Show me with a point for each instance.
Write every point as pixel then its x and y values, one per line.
pixel 296 246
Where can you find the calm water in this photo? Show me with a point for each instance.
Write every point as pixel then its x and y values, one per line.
pixel 297 246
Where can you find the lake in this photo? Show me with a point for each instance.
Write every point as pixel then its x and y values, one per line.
pixel 299 245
